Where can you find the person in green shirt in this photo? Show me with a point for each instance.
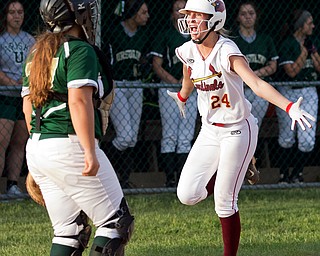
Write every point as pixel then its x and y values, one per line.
pixel 63 77
pixel 300 62
pixel 177 132
pixel 127 47
pixel 260 52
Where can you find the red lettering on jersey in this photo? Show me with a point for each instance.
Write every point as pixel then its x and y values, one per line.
pixel 216 85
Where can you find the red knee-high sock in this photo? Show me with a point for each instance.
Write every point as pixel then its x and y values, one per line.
pixel 210 185
pixel 231 229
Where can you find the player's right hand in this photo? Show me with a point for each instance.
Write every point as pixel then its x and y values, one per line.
pixel 299 115
pixel 181 104
pixel 91 164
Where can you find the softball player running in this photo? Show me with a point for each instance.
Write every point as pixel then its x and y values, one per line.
pixel 220 156
pixel 299 61
pixel 75 176
pixel 177 132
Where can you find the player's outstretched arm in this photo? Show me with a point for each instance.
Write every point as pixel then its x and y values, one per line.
pixel 269 93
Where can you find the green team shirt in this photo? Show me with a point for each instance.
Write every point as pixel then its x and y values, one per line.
pixel 75 65
pixel 164 46
pixel 127 51
pixel 259 52
pixel 289 52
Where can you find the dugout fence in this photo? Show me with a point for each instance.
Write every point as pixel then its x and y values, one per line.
pixel 147 176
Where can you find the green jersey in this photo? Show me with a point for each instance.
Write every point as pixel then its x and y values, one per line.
pixel 164 47
pixel 290 50
pixel 75 65
pixel 259 52
pixel 126 52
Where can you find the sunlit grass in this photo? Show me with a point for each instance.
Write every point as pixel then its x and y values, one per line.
pixel 274 222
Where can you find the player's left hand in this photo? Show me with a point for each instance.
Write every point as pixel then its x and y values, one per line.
pixel 299 115
pixel 181 104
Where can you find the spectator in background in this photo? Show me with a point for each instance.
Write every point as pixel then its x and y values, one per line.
pixel 261 54
pixel 14 47
pixel 177 132
pixel 128 45
pixel 299 61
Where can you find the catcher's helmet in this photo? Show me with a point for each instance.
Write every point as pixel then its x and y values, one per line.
pixel 215 8
pixel 60 15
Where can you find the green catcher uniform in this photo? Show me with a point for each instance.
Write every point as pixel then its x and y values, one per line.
pixel 290 50
pixel 55 156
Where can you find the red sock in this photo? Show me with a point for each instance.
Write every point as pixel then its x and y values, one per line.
pixel 210 185
pixel 231 229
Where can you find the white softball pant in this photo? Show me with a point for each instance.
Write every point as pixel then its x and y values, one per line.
pixel 125 115
pixel 226 150
pixel 56 165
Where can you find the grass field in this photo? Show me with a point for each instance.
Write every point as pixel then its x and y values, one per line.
pixel 274 223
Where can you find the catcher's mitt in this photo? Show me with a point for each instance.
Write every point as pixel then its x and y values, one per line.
pixel 253 175
pixel 104 109
pixel 34 190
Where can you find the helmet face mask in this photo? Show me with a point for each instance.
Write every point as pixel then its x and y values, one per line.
pixel 186 30
pixel 86 15
pixel 215 8
pixel 60 15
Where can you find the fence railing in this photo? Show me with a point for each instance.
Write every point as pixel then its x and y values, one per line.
pixel 147 176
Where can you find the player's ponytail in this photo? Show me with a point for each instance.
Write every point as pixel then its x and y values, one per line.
pixel 42 55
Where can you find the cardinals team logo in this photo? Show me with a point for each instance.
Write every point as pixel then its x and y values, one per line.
pixel 218 5
pixel 214 73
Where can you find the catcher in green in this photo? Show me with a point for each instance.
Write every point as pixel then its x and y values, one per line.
pixel 67 86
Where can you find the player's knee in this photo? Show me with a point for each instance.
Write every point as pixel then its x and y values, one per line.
pixel 128 142
pixel 186 196
pixel 76 234
pixel 306 147
pixel 286 143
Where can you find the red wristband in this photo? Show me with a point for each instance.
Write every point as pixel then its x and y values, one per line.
pixel 181 98
pixel 288 107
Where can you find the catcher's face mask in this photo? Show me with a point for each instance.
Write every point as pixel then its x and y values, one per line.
pixel 87 16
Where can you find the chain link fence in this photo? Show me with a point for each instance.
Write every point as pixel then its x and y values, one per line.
pixel 144 160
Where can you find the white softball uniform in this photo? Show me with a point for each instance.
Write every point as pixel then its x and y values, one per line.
pixel 229 133
pixel 56 164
